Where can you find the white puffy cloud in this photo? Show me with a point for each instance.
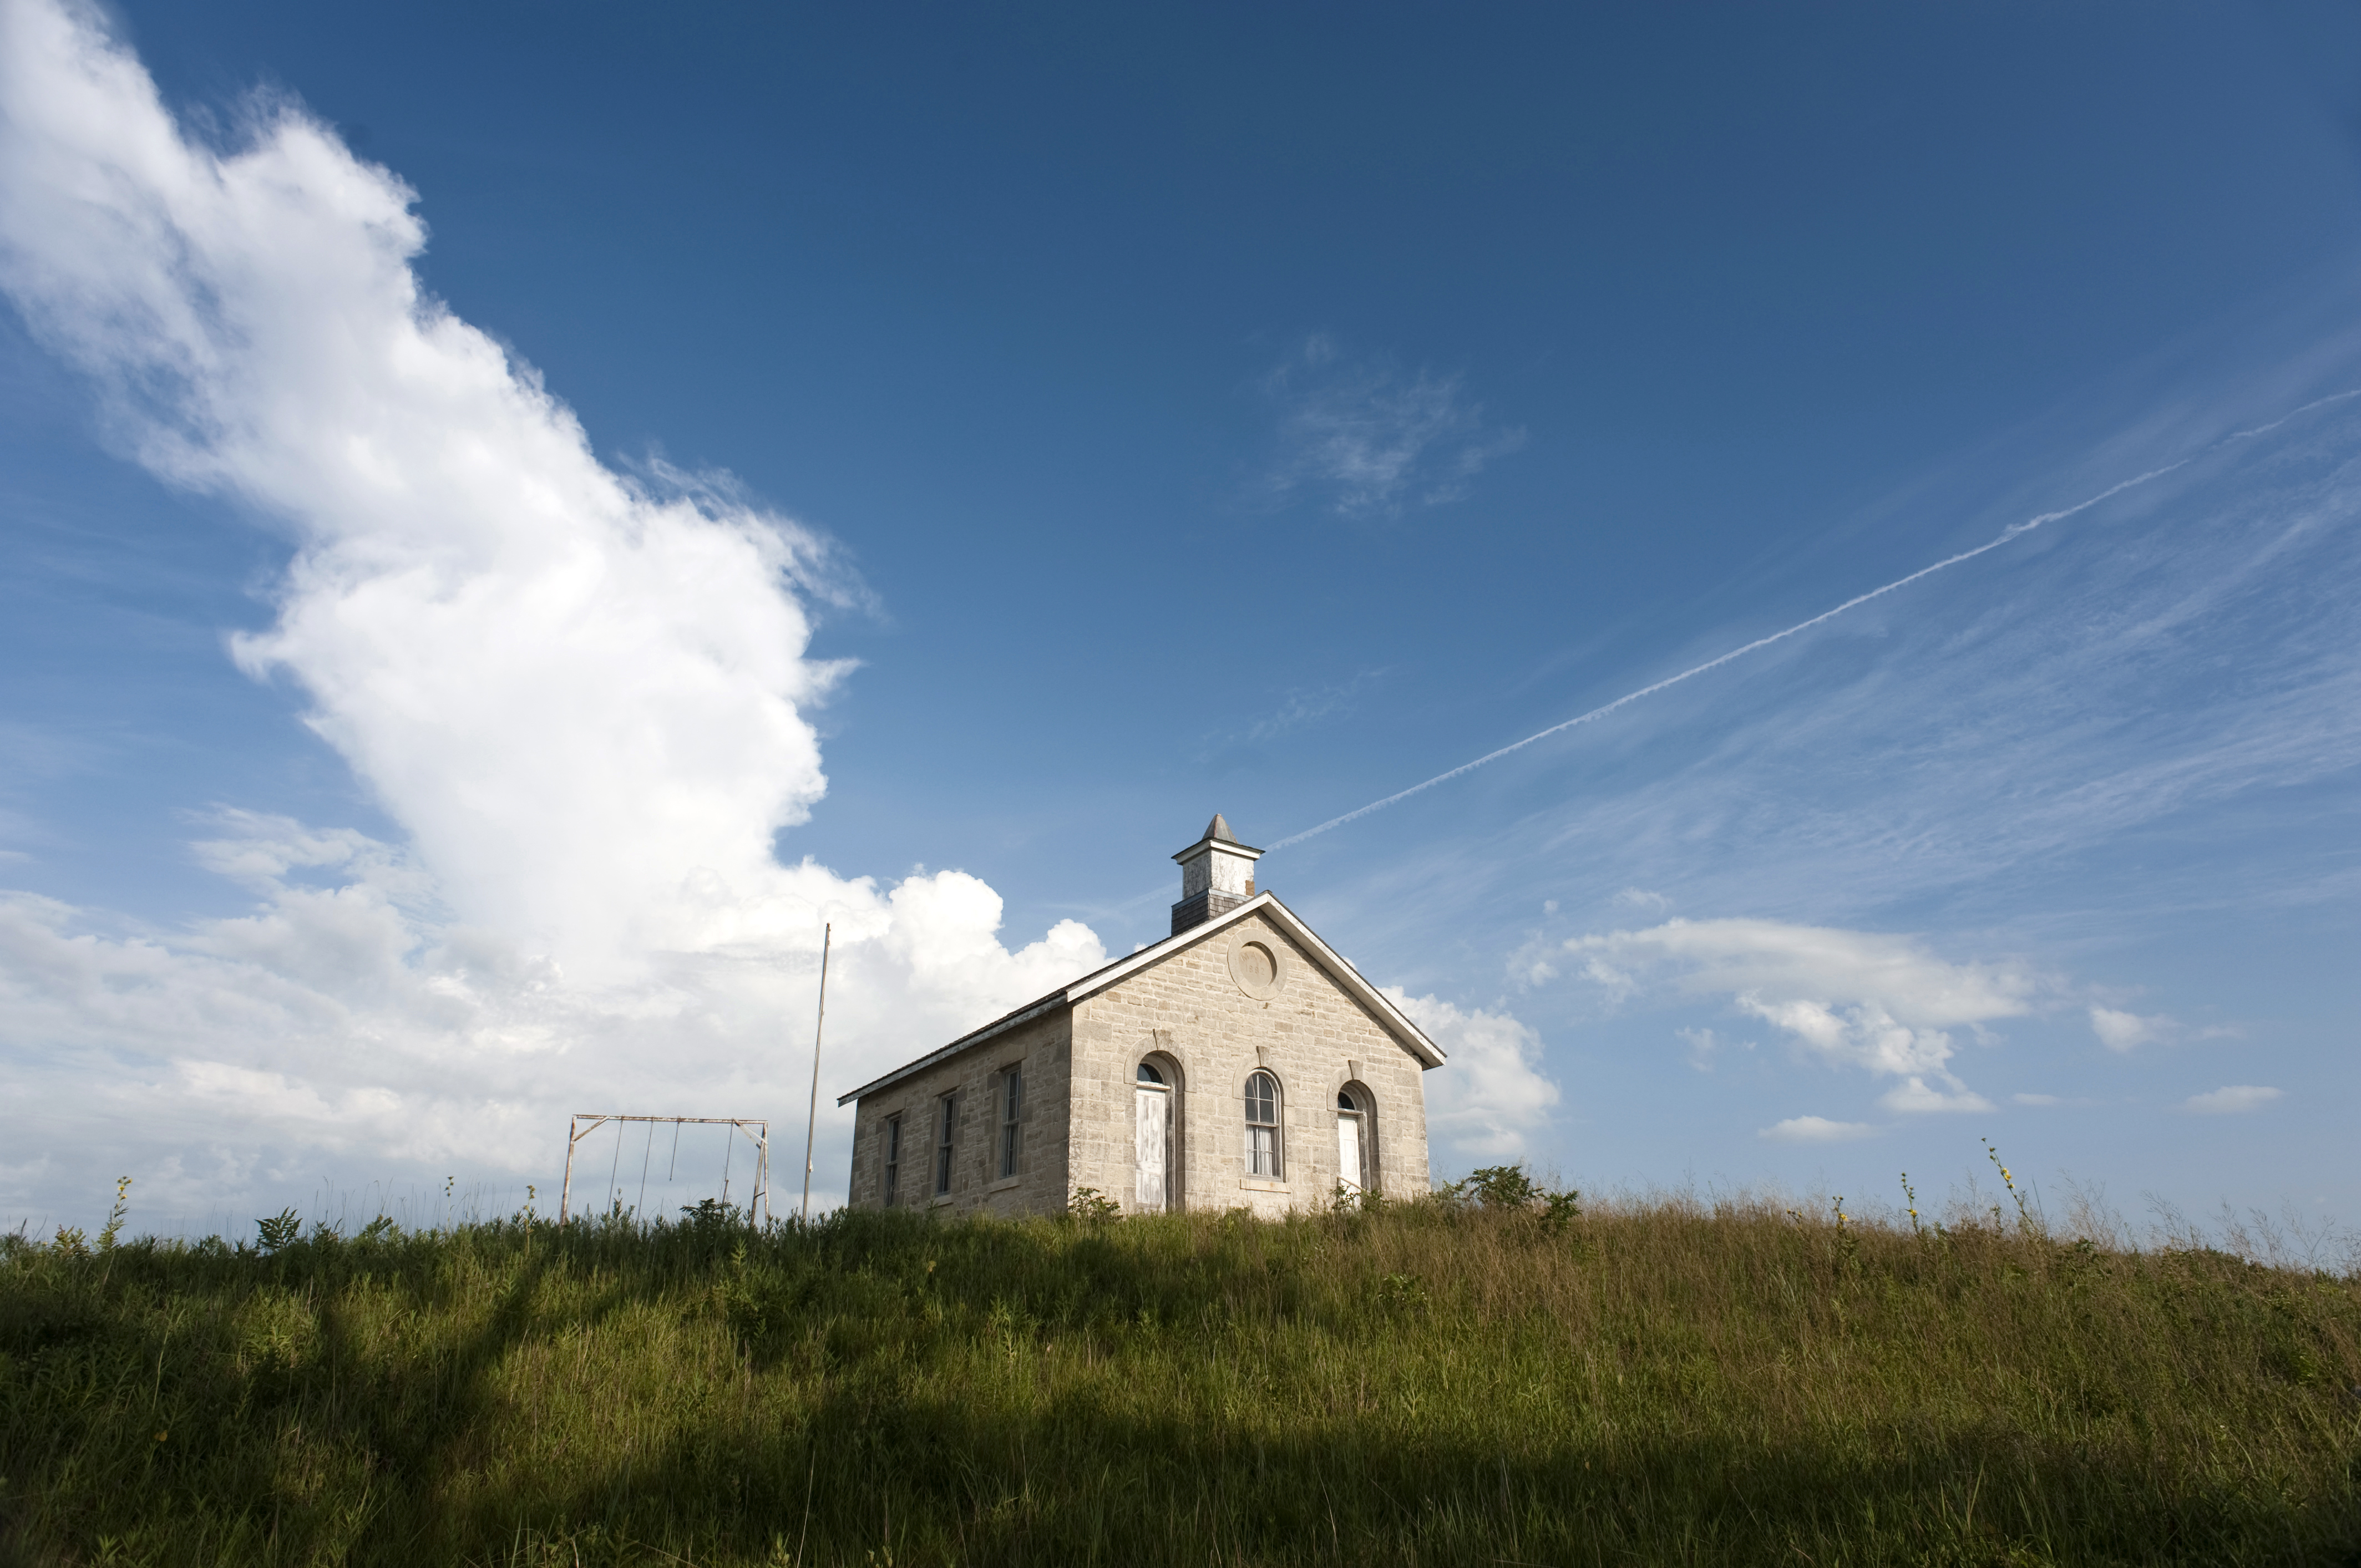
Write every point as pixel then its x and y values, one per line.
pixel 2127 1032
pixel 332 1033
pixel 1490 1096
pixel 2120 1031
pixel 1816 1130
pixel 2232 1099
pixel 584 698
pixel 1916 1095
pixel 1859 999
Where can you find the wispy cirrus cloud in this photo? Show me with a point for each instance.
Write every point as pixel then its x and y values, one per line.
pixel 2164 649
pixel 1302 707
pixel 1704 1045
pixel 1370 439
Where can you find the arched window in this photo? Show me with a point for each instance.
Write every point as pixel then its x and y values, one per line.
pixel 1262 1126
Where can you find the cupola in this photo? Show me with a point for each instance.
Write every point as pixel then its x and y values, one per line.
pixel 1216 876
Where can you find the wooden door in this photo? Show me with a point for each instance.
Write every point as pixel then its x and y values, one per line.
pixel 1152 1130
pixel 1348 1151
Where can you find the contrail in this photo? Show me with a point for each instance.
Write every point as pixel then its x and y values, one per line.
pixel 2011 531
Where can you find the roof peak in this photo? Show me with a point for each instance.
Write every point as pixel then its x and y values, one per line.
pixel 1217 828
pixel 1387 1016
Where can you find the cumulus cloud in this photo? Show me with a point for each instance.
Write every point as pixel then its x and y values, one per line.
pixel 1816 1130
pixel 584 699
pixel 584 696
pixel 1858 999
pixel 1490 1096
pixel 2126 1031
pixel 1916 1095
pixel 332 1031
pixel 2232 1099
pixel 1371 440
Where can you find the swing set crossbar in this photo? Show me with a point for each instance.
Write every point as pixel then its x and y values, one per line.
pixel 757 1130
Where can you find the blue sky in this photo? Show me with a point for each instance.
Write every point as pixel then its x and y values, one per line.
pixel 515 514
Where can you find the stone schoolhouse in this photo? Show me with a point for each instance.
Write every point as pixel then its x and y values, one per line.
pixel 1238 1063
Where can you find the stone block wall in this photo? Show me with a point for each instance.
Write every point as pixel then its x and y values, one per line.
pixel 1193 1010
pixel 1041 1049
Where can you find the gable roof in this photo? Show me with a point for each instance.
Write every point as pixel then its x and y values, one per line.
pixel 1391 1018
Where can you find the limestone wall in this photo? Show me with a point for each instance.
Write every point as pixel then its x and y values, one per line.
pixel 1041 1050
pixel 1218 1021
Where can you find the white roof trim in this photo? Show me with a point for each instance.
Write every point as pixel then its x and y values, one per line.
pixel 1395 1022
pixel 1219 847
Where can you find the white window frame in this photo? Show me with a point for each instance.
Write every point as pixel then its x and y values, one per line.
pixel 1265 1162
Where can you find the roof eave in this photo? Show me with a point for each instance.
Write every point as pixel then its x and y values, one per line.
pixel 1393 1019
pixel 999 1026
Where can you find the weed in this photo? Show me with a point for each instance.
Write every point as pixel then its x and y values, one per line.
pixel 116 1215
pixel 279 1231
pixel 1090 1204
pixel 1404 1291
pixel 2024 1217
pixel 1415 1382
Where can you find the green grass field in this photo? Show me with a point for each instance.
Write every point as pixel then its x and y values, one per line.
pixel 1440 1382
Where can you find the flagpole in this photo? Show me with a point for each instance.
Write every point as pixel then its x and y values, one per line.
pixel 811 1126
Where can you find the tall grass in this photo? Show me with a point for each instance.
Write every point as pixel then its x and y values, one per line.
pixel 1439 1382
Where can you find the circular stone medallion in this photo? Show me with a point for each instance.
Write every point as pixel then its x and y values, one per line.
pixel 1260 966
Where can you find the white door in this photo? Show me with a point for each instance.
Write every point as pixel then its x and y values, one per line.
pixel 1348 1150
pixel 1151 1121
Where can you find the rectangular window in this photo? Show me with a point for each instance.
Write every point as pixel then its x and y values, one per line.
pixel 947 1122
pixel 1011 1100
pixel 892 1158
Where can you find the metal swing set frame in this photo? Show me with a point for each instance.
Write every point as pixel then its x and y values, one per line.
pixel 758 1132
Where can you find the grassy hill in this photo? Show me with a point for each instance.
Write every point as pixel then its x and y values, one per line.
pixel 1442 1382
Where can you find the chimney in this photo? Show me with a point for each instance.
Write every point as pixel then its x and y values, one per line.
pixel 1216 876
